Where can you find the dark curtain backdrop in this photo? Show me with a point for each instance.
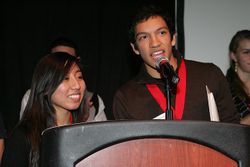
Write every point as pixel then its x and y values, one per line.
pixel 98 28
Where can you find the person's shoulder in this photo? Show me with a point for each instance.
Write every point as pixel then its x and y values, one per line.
pixel 127 89
pixel 2 128
pixel 199 63
pixel 18 136
pixel 130 84
pixel 27 92
pixel 18 131
pixel 202 66
pixel 17 147
pixel 26 95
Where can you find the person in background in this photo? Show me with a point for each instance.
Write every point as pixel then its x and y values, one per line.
pixel 94 103
pixel 56 99
pixel 2 137
pixel 153 37
pixel 238 75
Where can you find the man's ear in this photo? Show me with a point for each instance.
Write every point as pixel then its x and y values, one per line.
pixel 173 42
pixel 135 49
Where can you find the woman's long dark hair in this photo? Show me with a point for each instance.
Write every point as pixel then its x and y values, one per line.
pixel 39 113
pixel 236 85
pixel 231 74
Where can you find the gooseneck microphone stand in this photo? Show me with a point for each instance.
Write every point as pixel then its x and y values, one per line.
pixel 169 111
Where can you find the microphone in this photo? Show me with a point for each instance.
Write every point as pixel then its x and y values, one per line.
pixel 167 70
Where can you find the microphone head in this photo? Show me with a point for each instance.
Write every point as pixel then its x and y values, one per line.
pixel 160 61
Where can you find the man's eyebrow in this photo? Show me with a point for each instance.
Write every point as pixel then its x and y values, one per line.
pixel 165 27
pixel 140 33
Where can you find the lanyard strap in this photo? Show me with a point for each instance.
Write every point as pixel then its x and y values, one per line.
pixel 180 94
pixel 71 119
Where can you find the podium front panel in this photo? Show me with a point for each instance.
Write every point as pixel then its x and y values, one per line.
pixel 157 152
pixel 68 145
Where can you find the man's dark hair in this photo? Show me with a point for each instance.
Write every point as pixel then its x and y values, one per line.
pixel 63 41
pixel 144 13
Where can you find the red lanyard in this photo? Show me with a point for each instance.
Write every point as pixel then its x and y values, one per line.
pixel 71 118
pixel 180 93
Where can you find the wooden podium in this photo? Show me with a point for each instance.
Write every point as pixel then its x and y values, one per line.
pixel 155 143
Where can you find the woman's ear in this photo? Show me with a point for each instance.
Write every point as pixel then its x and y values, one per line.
pixel 232 56
pixel 135 49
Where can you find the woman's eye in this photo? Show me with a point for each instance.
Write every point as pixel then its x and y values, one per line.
pixel 246 51
pixel 80 77
pixel 66 78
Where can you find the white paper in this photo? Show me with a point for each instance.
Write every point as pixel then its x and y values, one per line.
pixel 213 111
pixel 161 116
